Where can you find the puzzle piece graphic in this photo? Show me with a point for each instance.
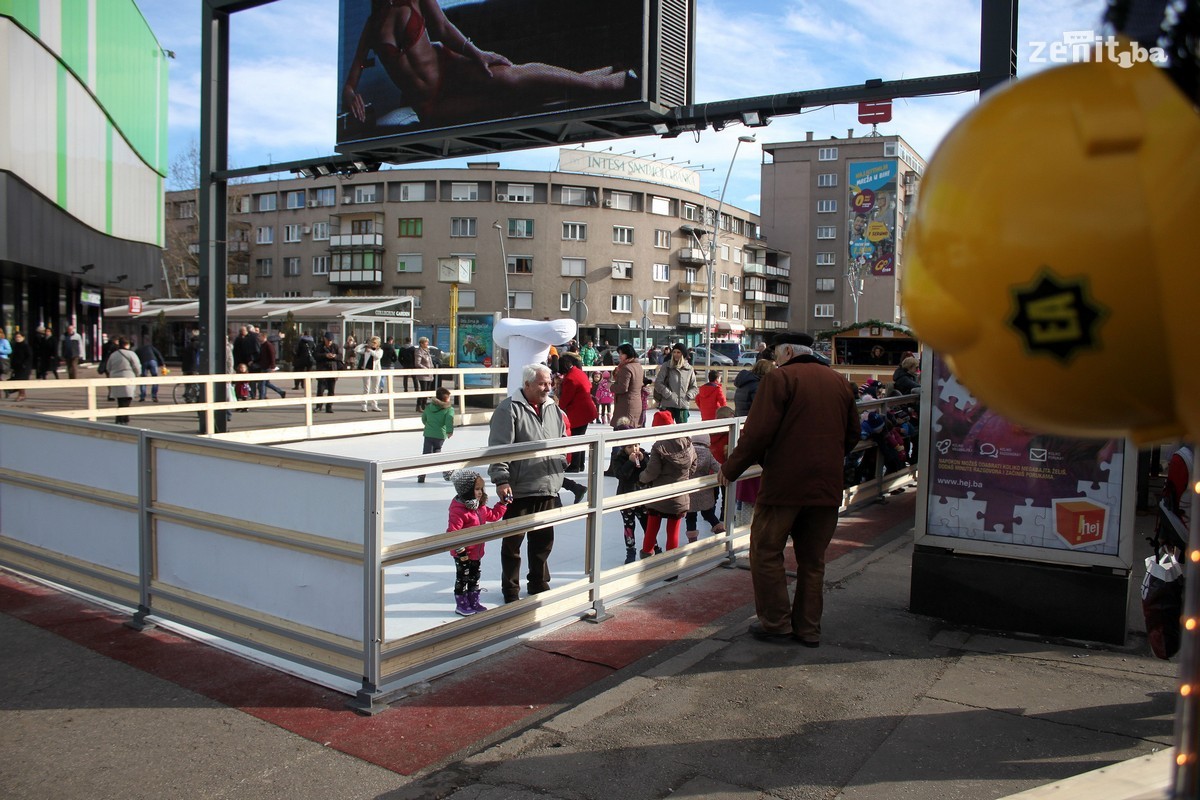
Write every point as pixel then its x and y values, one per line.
pixel 935 418
pixel 1032 525
pixel 956 516
pixel 956 393
pixel 1109 491
pixel 969 512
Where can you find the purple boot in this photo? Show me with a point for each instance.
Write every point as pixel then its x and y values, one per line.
pixel 462 605
pixel 473 602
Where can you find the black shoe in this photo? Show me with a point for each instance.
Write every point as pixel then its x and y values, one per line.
pixel 580 493
pixel 282 395
pixel 758 632
pixel 813 643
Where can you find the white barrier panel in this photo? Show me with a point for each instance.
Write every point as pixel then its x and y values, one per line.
pixel 87 531
pixel 93 458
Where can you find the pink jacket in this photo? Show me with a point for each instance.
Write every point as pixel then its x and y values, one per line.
pixel 462 517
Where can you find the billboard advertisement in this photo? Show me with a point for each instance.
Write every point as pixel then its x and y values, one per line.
pixel 989 481
pixel 476 348
pixel 417 66
pixel 872 218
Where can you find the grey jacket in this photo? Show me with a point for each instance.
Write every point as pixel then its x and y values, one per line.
pixel 675 388
pixel 514 421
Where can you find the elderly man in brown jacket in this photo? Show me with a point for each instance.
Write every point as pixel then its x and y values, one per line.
pixel 803 424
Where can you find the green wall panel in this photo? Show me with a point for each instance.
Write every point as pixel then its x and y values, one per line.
pixel 26 12
pixel 75 40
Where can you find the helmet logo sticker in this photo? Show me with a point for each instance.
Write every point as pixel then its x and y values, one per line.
pixel 1056 316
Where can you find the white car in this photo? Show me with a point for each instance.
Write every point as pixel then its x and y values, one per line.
pixel 747 359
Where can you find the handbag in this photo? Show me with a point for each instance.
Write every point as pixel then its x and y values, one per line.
pixel 1162 603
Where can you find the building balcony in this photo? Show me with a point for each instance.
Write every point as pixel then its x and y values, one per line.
pixel 360 240
pixel 692 255
pixel 766 270
pixel 690 319
pixel 753 296
pixel 356 277
pixel 685 288
pixel 766 324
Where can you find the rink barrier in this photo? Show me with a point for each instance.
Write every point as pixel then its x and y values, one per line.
pixel 181 529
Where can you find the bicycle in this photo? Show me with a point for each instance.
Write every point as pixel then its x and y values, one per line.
pixel 187 393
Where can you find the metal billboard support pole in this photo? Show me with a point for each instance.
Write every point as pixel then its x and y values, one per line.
pixel 712 253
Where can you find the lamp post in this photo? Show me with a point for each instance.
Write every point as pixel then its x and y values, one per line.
pixel 712 253
pixel 504 263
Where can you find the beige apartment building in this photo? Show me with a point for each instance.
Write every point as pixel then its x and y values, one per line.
pixel 841 206
pixel 634 244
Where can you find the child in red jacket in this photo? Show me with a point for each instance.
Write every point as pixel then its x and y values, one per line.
pixel 711 396
pixel 468 509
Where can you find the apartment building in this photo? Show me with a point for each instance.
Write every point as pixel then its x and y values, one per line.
pixel 639 247
pixel 841 206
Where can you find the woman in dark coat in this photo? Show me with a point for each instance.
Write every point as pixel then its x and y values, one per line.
pixel 907 381
pixel 746 385
pixel 21 361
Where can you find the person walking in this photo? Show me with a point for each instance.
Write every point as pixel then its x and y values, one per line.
pixel 72 351
pixel 575 397
pixel 803 425
pixel 21 361
pixel 423 364
pixel 266 364
pixel 438 419
pixel 469 509
pixel 675 384
pixel 406 357
pixel 528 414
pixel 123 363
pixel 5 355
pixel 329 359
pixel 627 385
pixel 151 360
pixel 304 358
pixel 45 353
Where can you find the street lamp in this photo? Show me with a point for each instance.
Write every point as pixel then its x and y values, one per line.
pixel 712 252
pixel 504 263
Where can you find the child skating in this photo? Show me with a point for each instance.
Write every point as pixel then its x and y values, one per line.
pixel 605 397
pixel 467 510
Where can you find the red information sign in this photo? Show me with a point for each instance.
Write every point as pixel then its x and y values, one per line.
pixel 135 305
pixel 875 112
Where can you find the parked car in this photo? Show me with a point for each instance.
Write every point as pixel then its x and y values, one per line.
pixel 748 359
pixel 718 360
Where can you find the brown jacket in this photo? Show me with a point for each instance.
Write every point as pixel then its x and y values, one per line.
pixel 803 424
pixel 671 460
pixel 627 389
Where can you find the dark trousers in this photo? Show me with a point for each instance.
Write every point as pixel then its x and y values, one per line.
pixel 810 528
pixel 432 445
pixel 576 460
pixel 424 386
pixel 325 387
pixel 709 515
pixel 541 542
pixel 123 402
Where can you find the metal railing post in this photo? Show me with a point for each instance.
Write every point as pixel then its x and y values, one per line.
pixel 594 528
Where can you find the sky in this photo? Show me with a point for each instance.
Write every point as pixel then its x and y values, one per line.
pixel 283 83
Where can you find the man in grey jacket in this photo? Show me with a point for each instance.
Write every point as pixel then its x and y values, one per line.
pixel 531 484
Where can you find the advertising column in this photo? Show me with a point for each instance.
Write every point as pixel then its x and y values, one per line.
pixel 477 348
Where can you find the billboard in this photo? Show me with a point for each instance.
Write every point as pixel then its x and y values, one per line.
pixel 872 219
pixel 408 68
pixel 991 482
pixel 591 162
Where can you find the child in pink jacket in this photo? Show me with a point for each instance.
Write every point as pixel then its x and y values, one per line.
pixel 468 509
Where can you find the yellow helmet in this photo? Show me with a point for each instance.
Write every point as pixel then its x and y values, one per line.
pixel 1053 258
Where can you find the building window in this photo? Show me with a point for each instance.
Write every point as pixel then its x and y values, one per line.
pixel 410 262
pixel 520 265
pixel 320 231
pixel 362 227
pixel 364 194
pixel 826 206
pixel 735 282
pixel 621 200
pixel 735 311
pixel 263 265
pixel 662 305
pixel 689 274
pixel 518 193
pixel 724 281
pixel 291 266
pixel 412 192
pixel 292 293
pixel 826 232
pixel 827 154
pixel 825 284
pixel 325 197
pixel 662 272
pixel 266 235
pixel 622 270
pixel 520 228
pixel 889 149
pixel 662 239
pixel 826 259
pixel 462 226
pixel 466 298
pixel 724 252
pixel 264 202
pixel 187 210
pixel 622 235
pixel 737 255
pixel 291 233
pixel 691 212
pixel 564 301
pixel 464 191
pixel 409 227
pixel 723 311
pixel 574 267
pixel 320 265
pixel 520 301
pixel 827 179
pixel 823 310
pixel 575 231
pixel 574 196
pixel 242 204
pixel 622 303
pixel 294 199
pixel 660 205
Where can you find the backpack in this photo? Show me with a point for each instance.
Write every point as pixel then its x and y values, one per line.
pixel 305 353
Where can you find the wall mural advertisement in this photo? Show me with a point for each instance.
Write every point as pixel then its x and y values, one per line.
pixel 476 348
pixel 992 480
pixel 406 66
pixel 872 224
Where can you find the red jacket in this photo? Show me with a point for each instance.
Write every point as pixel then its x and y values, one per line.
pixel 575 397
pixel 803 424
pixel 463 517
pixel 710 398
